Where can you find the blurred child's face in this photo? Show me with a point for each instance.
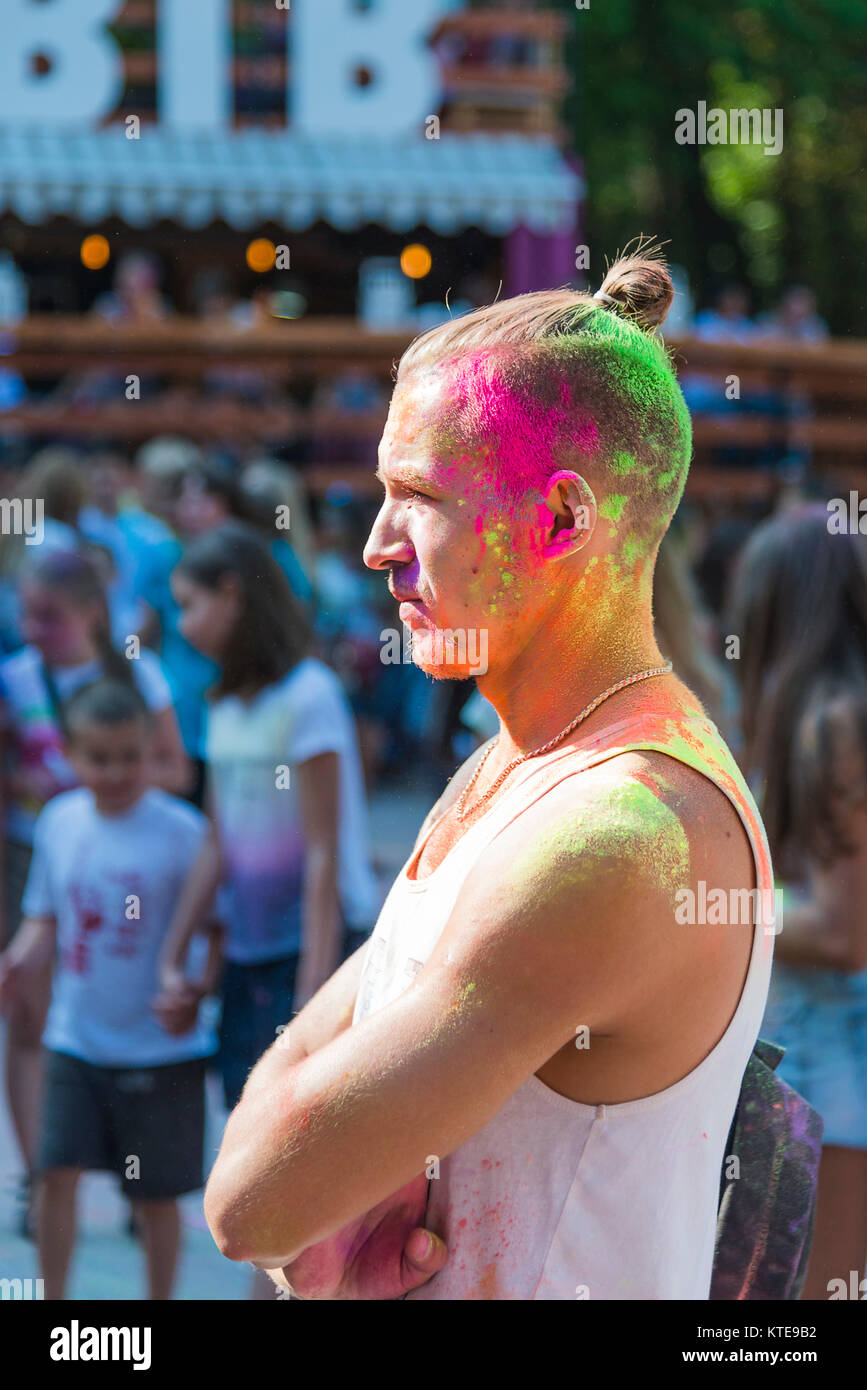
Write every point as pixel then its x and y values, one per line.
pixel 111 760
pixel 208 616
pixel 59 628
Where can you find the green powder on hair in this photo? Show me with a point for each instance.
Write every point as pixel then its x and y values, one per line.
pixel 622 463
pixel 666 479
pixel 612 506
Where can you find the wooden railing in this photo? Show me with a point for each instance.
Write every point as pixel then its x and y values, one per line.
pixel 824 386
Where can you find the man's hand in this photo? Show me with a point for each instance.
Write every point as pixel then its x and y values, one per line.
pixel 383 1255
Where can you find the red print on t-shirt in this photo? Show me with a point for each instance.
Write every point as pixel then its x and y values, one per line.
pixel 89 918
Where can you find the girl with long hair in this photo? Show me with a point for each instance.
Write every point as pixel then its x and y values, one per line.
pixel 285 791
pixel 799 606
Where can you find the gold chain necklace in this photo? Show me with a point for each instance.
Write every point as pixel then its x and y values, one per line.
pixel 525 757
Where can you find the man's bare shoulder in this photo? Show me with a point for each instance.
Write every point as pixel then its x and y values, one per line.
pixel 609 849
pixel 624 808
pixel 573 906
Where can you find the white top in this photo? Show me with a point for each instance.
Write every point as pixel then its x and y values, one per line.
pixel 112 883
pixel 251 748
pixel 555 1199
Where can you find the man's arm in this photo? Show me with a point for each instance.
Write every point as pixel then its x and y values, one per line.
pixel 324 1018
pixel 525 957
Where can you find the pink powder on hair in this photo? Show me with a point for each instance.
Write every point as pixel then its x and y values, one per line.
pixel 528 436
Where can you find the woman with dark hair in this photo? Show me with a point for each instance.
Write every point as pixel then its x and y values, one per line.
pixel 285 791
pixel 213 492
pixel 799 606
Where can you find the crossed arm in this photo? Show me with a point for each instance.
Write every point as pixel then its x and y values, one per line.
pixel 323 1134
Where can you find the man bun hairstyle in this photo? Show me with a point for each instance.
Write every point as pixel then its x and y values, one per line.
pixel 640 288
pixel 565 379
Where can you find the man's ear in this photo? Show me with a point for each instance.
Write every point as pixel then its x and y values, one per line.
pixel 568 514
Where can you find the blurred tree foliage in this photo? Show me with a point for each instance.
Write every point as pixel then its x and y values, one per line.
pixel 728 211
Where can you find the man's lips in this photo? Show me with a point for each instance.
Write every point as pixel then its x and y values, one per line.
pixel 404 595
pixel 411 608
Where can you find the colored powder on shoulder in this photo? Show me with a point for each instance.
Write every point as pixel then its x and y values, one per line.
pixel 629 824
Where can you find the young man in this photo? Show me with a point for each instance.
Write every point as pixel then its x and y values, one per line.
pixel 534 1059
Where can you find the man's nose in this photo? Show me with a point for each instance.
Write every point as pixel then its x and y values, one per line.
pixel 386 545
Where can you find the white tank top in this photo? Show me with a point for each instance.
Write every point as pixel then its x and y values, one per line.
pixel 555 1199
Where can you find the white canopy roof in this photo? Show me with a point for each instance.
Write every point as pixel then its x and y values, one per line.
pixel 245 177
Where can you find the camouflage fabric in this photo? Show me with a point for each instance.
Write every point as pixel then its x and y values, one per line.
pixel 767 1211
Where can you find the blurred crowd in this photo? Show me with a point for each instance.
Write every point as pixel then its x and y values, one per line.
pixel 337 419
pixel 718 394
pixel 133 516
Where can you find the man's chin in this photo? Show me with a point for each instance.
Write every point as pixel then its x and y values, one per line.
pixel 448 672
pixel 449 655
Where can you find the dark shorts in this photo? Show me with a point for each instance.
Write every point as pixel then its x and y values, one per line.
pixel 106 1117
pixel 257 1003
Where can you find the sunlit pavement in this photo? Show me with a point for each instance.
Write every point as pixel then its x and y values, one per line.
pixel 108 1263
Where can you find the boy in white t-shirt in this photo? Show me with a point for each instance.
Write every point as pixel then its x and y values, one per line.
pixel 124 1085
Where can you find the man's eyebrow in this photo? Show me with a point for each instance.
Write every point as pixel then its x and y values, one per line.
pixel 403 473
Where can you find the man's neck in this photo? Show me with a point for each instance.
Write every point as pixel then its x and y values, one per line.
pixel 559 674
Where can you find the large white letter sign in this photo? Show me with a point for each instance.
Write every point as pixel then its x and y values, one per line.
pixel 58 63
pixel 195 63
pixel 362 68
